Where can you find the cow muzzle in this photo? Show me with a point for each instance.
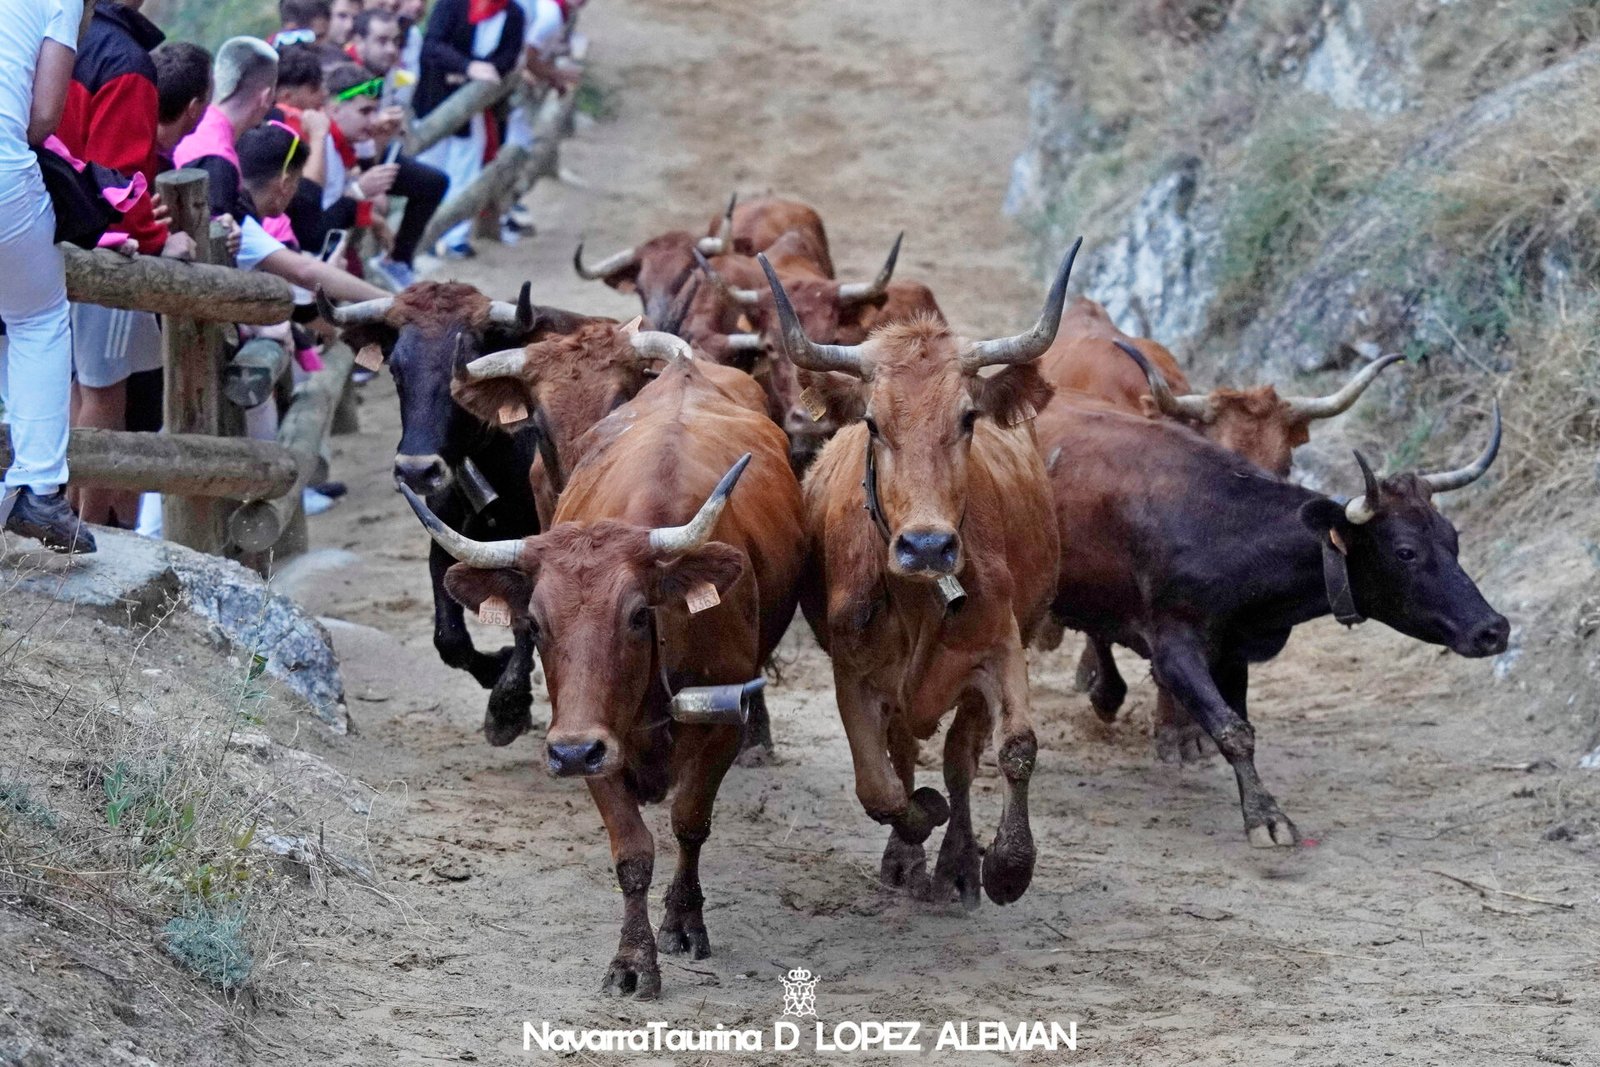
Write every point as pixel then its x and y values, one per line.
pixel 927 551
pixel 422 474
pixel 580 757
pixel 1486 639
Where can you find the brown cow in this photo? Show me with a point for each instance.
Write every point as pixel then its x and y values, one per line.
pixel 930 572
pixel 627 608
pixel 756 225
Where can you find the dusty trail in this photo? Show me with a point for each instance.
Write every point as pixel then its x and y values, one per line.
pixel 1149 920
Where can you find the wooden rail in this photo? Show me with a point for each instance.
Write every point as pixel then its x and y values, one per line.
pixel 187 464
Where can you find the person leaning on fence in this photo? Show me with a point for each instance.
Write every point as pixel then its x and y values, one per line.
pixel 38 39
pixel 543 45
pixel 112 118
pixel 466 40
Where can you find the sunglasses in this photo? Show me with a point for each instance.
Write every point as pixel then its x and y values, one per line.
pixel 294 145
pixel 373 88
pixel 286 38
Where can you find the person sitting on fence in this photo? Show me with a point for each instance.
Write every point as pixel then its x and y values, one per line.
pixel 304 22
pixel 112 118
pixel 38 39
pixel 466 40
pixel 365 136
pixel 341 21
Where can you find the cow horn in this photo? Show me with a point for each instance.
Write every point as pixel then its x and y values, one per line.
pixel 518 316
pixel 1364 507
pixel 679 311
pixel 1325 407
pixel 801 350
pixel 485 554
pixel 1444 481
pixel 676 540
pixel 745 342
pixel 856 292
pixel 353 314
pixel 721 242
pixel 654 344
pixel 1026 347
pixel 504 364
pixel 1188 406
pixel 748 298
pixel 626 258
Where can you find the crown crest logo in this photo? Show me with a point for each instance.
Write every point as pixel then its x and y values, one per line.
pixel 800 993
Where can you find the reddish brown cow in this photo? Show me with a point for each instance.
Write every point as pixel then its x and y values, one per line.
pixel 930 572
pixel 627 609
pixel 756 225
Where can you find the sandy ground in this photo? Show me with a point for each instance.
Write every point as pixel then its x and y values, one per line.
pixel 1149 922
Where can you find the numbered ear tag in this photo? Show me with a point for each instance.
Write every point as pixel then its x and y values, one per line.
pixel 370 357
pixel 701 597
pixel 1338 542
pixel 745 325
pixel 632 328
pixel 515 411
pixel 1025 413
pixel 812 401
pixel 494 612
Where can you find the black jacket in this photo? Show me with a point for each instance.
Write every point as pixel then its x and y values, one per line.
pixel 447 49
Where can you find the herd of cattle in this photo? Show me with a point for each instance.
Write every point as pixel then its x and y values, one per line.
pixel 647 506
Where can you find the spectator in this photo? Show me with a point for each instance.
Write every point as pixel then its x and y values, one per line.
pixel 38 39
pixel 302 96
pixel 354 108
pixel 244 83
pixel 183 89
pixel 111 118
pixel 303 21
pixel 545 42
pixel 341 21
pixel 391 6
pixel 375 41
pixel 412 13
pixel 466 40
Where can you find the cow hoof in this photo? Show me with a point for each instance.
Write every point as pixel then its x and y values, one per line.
pixel 905 866
pixel 1276 832
pixel 1186 743
pixel 1008 865
pixel 959 873
pixel 630 976
pixel 934 807
pixel 684 934
pixel 1106 697
pixel 501 730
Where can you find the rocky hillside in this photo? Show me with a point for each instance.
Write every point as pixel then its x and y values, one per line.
pixel 1283 189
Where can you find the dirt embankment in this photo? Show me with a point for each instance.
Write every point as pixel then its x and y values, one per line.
pixel 1149 920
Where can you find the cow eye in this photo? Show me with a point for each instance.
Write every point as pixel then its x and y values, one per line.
pixel 969 420
pixel 872 427
pixel 640 619
pixel 1406 555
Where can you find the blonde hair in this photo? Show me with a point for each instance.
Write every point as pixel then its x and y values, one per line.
pixel 243 63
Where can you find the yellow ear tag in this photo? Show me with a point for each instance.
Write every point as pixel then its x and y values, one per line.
pixel 515 411
pixel 494 612
pixel 370 357
pixel 745 325
pixel 702 597
pixel 812 401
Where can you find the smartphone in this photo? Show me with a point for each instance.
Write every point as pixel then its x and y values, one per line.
pixel 332 243
pixel 394 152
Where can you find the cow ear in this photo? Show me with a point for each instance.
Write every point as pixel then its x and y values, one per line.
pixel 1015 395
pixel 471 586
pixel 715 564
pixel 1323 515
pixel 488 398
pixel 372 333
pixel 624 281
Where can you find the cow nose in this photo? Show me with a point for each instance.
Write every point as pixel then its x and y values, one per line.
pixel 423 474
pixel 927 550
pixel 1491 638
pixel 582 758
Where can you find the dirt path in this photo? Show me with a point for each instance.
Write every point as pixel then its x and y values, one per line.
pixel 1149 921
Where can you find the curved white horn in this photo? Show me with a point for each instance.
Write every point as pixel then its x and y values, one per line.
pixel 1026 347
pixel 1364 507
pixel 856 292
pixel 1189 406
pixel 353 314
pixel 484 554
pixel 626 258
pixel 653 344
pixel 804 352
pixel 745 342
pixel 676 540
pixel 504 364
pixel 748 298
pixel 1444 481
pixel 1325 407
pixel 721 242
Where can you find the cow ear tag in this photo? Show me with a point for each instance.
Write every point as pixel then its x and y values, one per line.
pixel 632 328
pixel 370 357
pixel 1338 542
pixel 514 411
pixel 494 612
pixel 745 325
pixel 701 597
pixel 812 401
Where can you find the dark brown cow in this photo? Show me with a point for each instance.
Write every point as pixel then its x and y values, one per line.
pixel 933 543
pixel 1203 563
pixel 620 602
pixel 756 225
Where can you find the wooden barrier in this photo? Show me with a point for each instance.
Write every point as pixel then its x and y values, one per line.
pixel 189 464
pixel 458 108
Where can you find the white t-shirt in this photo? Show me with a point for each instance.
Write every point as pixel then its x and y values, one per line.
pixel 255 244
pixel 337 175
pixel 24 26
pixel 544 26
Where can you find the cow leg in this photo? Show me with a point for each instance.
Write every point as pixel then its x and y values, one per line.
pixel 1098 676
pixel 957 875
pixel 755 743
pixel 1182 667
pixel 884 787
pixel 450 635
pixel 905 862
pixel 1008 865
pixel 1178 738
pixel 510 713
pixel 683 928
pixel 633 853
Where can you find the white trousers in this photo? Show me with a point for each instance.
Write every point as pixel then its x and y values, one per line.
pixel 461 159
pixel 36 375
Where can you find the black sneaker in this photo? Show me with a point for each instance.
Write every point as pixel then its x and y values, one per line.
pixel 48 520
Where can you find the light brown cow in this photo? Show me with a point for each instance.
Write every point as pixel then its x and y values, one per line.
pixel 627 608
pixel 932 535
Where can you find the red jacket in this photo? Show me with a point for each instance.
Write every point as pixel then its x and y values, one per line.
pixel 112 108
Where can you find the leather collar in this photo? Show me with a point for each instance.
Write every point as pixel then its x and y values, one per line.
pixel 869 483
pixel 1336 580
